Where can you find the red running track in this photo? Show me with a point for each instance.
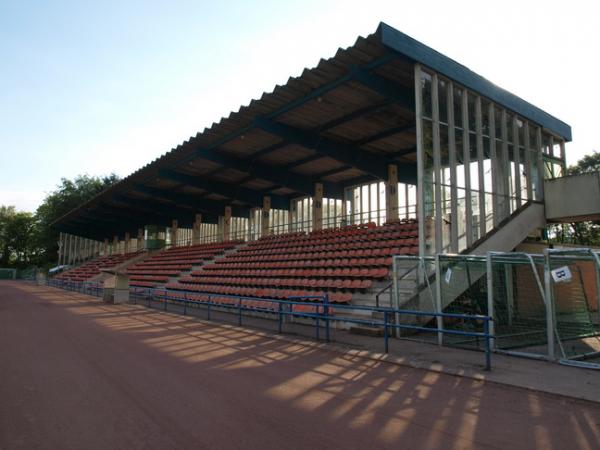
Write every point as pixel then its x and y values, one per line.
pixel 78 374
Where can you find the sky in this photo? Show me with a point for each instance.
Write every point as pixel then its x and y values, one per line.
pixel 94 87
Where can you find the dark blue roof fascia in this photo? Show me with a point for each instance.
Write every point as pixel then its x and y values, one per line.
pixel 418 52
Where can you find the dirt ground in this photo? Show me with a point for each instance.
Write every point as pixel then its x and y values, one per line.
pixel 78 374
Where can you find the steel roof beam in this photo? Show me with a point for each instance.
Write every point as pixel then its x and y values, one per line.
pixel 367 162
pixel 249 196
pixel 199 204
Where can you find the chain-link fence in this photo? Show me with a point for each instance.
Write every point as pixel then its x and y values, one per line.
pixel 543 306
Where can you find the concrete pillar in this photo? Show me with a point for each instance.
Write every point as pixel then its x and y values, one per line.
pixel 105 250
pixel 71 249
pixel 265 223
pixel 196 229
pixel 391 194
pixel 115 246
pixel 60 248
pixel 227 223
pixel 174 233
pixel 317 205
pixel 140 239
pixel 77 249
pixel 126 247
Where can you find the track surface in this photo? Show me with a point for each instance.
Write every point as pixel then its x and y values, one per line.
pixel 78 374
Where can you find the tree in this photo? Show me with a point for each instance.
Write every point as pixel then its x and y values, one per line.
pixel 6 215
pixel 69 195
pixel 589 163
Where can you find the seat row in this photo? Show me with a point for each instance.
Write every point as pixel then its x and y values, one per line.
pixel 368 253
pixel 363 237
pixel 323 283
pixel 334 297
pixel 407 242
pixel 250 303
pixel 308 263
pixel 296 272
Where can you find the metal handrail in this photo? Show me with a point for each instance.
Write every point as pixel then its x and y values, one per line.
pixel 388 286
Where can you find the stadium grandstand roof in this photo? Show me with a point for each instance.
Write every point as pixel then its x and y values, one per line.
pixel 341 123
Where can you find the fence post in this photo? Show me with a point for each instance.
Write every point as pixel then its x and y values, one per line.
pixel 549 305
pixel 279 319
pixel 385 331
pixel 438 300
pixel 326 311
pixel 490 294
pixel 396 293
pixel 488 345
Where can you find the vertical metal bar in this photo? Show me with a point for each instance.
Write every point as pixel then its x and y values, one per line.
pixel 452 162
pixel 437 163
pixel 517 160
pixel 496 190
pixel 528 162
pixel 396 293
pixel 505 173
pixel 420 167
pixel 279 318
pixel 540 158
pixel 438 301
pixel 240 312
pixel 467 166
pixel 386 337
pixel 488 346
pixel 490 294
pixel 549 305
pixel 480 158
pixel 326 311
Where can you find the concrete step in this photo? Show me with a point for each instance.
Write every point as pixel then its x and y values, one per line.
pixel 366 330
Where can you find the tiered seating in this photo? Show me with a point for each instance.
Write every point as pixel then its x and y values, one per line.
pixel 336 262
pixel 157 269
pixel 92 268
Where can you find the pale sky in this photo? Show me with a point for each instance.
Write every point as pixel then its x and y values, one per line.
pixel 107 86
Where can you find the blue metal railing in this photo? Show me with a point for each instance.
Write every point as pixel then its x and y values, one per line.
pixel 84 287
pixel 323 311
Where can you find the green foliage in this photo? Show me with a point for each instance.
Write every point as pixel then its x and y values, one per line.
pixel 589 163
pixel 27 239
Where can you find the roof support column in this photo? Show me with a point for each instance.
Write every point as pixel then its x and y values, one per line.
pixel 77 249
pixel 140 239
pixel 266 210
pixel 196 229
pixel 174 233
pixel 227 224
pixel 391 194
pixel 317 204
pixel 127 244
pixel 61 248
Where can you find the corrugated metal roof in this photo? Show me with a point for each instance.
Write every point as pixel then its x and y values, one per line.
pixel 357 102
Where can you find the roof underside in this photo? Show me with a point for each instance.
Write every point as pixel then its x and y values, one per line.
pixel 341 123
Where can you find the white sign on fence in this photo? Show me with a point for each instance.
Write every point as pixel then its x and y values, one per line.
pixel 562 275
pixel 448 276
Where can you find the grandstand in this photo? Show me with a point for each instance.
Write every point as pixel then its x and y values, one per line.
pixel 386 149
